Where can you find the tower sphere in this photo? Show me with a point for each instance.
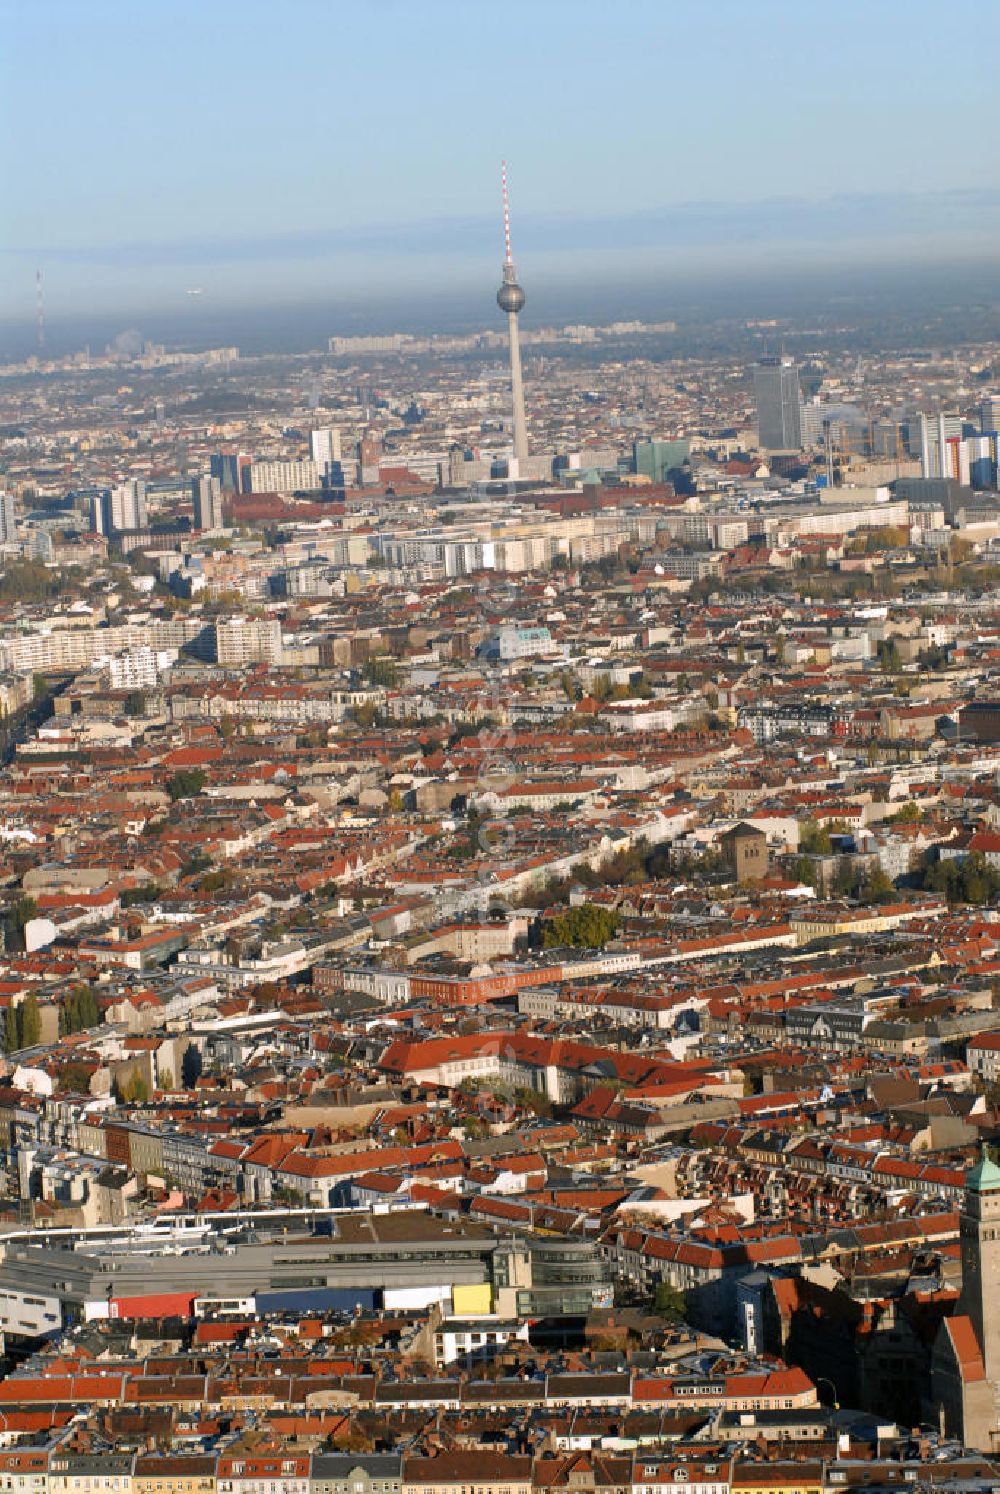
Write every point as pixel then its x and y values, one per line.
pixel 510 296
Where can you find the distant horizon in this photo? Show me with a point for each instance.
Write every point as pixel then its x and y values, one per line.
pixel 382 262
pixel 303 325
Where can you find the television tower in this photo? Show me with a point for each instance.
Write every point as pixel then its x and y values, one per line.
pixel 510 298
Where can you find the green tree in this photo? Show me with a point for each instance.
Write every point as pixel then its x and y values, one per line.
pixel 669 1302
pixel 531 1099
pixel 133 896
pixel 79 1010
pixel 30 581
pixel 877 887
pixel 382 671
pixel 12 1035
pixel 29 1022
pixel 69 1014
pixel 74 1078
pixel 814 840
pixel 186 783
pixel 933 658
pixel 889 658
pixel 135 1090
pixel 365 713
pixel 583 927
pixel 971 880
pixel 18 913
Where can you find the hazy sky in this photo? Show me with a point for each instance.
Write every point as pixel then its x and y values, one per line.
pixel 270 149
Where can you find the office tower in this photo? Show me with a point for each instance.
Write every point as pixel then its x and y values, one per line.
pixel 40 546
pixel 944 456
pixel 916 439
pixel 982 460
pixel 8 519
pixel 283 477
pixel 956 460
pixel 206 500
pixel 933 438
pixel 989 414
pixel 324 448
pixel 510 299
pixel 654 459
pixel 98 505
pixel 779 403
pixel 127 507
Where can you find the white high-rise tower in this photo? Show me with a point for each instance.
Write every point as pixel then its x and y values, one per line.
pixel 510 298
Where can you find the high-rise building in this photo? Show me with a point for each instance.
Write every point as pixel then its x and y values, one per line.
pixel 324 448
pixel 206 500
pixel 128 507
pixel 510 299
pixel 654 459
pixel 8 519
pixel 932 438
pixel 119 510
pixel 779 404
pixel 247 640
pixel 97 505
pixel 989 414
pixel 983 460
pixel 283 477
pixel 957 460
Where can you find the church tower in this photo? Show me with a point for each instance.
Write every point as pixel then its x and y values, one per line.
pixel 979 1236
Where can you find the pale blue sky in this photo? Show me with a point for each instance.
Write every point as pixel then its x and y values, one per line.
pixel 273 149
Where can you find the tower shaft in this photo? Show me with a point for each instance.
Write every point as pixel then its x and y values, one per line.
pixel 517 389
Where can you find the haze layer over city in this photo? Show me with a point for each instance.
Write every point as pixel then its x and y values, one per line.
pixel 499 748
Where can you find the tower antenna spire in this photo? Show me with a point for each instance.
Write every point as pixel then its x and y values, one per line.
pixel 506 214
